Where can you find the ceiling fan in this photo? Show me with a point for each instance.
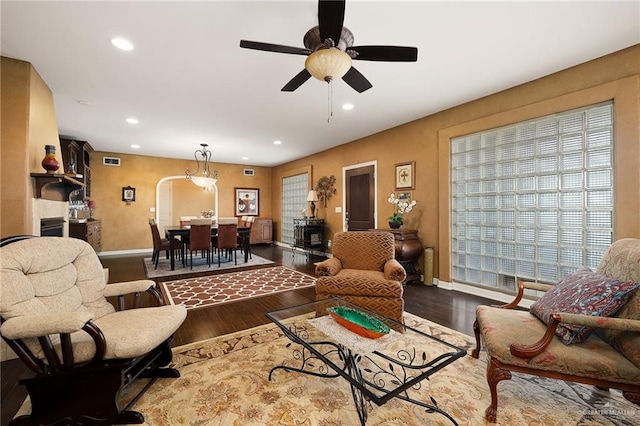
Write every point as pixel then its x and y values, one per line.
pixel 329 48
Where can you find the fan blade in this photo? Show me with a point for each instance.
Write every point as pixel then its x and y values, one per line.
pixel 268 47
pixel 296 81
pixel 330 19
pixel 385 53
pixel 356 80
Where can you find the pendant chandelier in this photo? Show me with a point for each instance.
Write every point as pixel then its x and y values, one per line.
pixel 204 179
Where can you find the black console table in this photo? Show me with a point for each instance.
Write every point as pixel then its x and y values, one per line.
pixel 309 235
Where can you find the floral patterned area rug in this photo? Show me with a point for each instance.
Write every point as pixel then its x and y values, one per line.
pixel 200 292
pixel 225 382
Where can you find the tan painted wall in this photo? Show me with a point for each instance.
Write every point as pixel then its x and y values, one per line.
pixel 125 227
pixel 28 124
pixel 426 141
pixel 189 200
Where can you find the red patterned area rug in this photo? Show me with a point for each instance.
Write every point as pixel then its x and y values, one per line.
pixel 212 290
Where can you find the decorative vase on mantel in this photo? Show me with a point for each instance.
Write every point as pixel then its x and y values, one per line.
pixel 395 225
pixel 49 161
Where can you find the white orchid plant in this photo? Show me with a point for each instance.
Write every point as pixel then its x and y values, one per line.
pixel 400 208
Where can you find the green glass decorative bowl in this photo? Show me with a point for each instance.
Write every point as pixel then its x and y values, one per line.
pixel 360 323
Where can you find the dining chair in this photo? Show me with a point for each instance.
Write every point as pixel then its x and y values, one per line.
pixel 248 223
pixel 227 240
pixel 200 238
pixel 186 220
pixel 160 244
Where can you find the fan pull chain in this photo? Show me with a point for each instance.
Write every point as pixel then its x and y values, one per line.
pixel 329 101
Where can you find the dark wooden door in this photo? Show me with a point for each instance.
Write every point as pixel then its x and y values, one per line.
pixel 360 198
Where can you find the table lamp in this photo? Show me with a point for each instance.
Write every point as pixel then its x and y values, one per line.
pixel 312 197
pixel 92 205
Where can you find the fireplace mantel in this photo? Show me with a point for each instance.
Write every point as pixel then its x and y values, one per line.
pixel 67 183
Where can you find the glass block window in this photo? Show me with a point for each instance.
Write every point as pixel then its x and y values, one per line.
pixel 534 200
pixel 294 200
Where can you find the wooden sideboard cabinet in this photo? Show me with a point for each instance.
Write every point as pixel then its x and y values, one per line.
pixel 90 231
pixel 262 231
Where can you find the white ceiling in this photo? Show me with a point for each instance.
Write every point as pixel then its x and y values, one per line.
pixel 189 82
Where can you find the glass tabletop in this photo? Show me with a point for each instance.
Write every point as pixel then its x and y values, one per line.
pixel 381 368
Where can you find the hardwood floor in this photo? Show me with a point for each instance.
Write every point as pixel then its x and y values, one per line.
pixel 449 308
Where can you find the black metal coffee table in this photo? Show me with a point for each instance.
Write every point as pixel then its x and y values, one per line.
pixel 377 369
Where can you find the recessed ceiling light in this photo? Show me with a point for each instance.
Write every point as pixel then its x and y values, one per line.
pixel 121 43
pixel 277 142
pixel 134 146
pixel 132 120
pixel 245 158
pixel 347 107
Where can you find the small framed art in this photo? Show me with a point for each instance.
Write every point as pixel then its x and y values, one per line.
pixel 404 196
pixel 406 176
pixel 247 201
pixel 128 194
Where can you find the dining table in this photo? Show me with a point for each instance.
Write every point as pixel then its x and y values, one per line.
pixel 173 232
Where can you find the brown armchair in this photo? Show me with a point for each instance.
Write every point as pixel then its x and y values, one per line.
pixel 363 271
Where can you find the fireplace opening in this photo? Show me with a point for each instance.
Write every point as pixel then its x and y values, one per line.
pixel 52 227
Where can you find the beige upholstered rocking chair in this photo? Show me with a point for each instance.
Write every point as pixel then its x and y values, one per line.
pixel 56 317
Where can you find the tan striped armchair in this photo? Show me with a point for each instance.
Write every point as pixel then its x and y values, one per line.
pixel 363 271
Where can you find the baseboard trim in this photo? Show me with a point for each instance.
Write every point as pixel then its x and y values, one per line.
pixel 300 250
pixel 126 252
pixel 483 292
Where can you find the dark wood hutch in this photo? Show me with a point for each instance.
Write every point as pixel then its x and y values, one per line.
pixel 76 164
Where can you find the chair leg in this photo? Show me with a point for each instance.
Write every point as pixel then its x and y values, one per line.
pixel 632 396
pixel 494 375
pixel 476 331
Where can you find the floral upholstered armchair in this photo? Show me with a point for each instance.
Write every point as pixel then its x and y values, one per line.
pixel 55 316
pixel 584 329
pixel 363 271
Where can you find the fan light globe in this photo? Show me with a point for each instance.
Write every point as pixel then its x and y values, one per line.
pixel 328 64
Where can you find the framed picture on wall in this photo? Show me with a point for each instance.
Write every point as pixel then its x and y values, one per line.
pixel 406 175
pixel 128 194
pixel 247 201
